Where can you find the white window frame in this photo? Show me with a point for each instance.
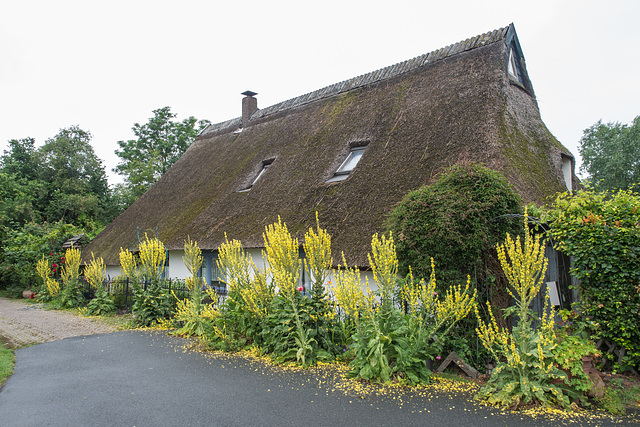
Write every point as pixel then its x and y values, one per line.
pixel 349 164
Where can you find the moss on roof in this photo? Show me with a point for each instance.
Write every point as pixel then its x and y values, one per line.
pixel 462 106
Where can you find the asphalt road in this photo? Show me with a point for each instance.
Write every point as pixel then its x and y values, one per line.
pixel 142 378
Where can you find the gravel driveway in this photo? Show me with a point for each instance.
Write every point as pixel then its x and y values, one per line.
pixel 23 323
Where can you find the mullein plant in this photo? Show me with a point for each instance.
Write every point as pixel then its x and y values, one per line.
pixel 389 344
pixel 268 308
pixel 318 262
pixel 242 314
pixel 527 371
pixel 151 304
pixel 193 313
pixel 71 294
pixel 102 303
pixel 50 288
pixel 287 334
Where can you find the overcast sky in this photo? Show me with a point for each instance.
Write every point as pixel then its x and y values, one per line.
pixel 107 65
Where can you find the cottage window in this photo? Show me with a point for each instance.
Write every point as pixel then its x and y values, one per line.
pixel 262 171
pixel 210 273
pixel 348 165
pixel 265 166
pixel 513 65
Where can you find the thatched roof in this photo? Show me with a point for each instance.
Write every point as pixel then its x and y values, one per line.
pixel 416 118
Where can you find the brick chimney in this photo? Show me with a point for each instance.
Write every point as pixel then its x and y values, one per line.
pixel 249 106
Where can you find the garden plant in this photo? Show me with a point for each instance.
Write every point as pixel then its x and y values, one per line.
pixel 601 231
pixel 532 363
pixel 101 303
pixel 152 304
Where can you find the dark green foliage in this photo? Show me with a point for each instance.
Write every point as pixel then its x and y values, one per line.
pixel 47 195
pixel 71 295
pixel 23 247
pixel 611 155
pixel 102 303
pixel 236 327
pixel 601 231
pixel 287 341
pixel 152 305
pixel 453 221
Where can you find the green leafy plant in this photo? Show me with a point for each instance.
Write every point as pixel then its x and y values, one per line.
pixel 102 303
pixel 152 304
pixel 388 343
pixel 601 232
pixel 71 294
pixel 194 314
pixel 527 357
pixel 248 302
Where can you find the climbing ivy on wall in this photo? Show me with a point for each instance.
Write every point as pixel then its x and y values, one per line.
pixel 601 230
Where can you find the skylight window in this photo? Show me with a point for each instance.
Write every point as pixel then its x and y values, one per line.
pixel 262 171
pixel 265 165
pixel 348 165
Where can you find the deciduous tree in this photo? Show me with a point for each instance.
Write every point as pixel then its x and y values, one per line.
pixel 611 155
pixel 159 144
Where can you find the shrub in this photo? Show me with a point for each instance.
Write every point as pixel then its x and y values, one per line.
pixel 22 248
pixel 450 221
pixel 601 231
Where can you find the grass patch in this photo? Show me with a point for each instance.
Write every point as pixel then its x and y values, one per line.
pixel 7 360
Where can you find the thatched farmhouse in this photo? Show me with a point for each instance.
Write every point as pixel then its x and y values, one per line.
pixel 350 152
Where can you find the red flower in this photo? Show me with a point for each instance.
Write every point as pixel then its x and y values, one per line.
pixel 51 253
pixel 32 296
pixel 54 265
pixel 300 288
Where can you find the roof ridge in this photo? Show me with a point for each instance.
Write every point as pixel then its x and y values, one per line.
pixel 384 73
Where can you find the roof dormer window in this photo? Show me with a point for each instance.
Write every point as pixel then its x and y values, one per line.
pixel 265 165
pixel 348 164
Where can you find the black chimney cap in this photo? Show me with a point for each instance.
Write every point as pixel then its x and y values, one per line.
pixel 248 93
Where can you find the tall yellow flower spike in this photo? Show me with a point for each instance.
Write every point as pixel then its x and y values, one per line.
pixel 384 263
pixel 283 257
pixel 94 272
pixel 317 249
pixel 71 268
pixel 152 258
pixel 348 291
pixel 128 264
pixel 524 266
pixel 42 267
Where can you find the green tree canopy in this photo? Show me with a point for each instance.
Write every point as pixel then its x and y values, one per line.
pixel 159 144
pixel 611 155
pixel 75 178
pixel 452 221
pixel 21 159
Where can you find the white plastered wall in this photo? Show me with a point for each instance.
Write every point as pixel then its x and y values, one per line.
pixel 177 270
